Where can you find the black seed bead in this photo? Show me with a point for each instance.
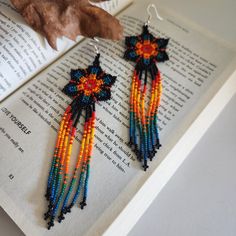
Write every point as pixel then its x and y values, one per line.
pixel 145 166
pixel 51 223
pixel 61 218
pixel 130 143
pixel 83 204
pixel 50 206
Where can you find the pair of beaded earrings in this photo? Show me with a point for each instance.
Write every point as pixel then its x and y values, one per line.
pixel 86 87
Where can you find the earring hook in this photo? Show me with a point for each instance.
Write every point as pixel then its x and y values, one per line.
pixel 94 45
pixel 150 14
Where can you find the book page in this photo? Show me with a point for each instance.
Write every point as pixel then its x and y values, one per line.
pixel 29 122
pixel 23 52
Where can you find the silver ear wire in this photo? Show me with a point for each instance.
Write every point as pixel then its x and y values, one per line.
pixel 150 14
pixel 94 45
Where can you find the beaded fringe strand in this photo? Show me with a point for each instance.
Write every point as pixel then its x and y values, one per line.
pixel 144 136
pixel 58 190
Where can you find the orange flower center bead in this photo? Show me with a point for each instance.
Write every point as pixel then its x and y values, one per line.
pixel 146 49
pixel 90 85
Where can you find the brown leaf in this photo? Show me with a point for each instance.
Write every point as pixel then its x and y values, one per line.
pixel 70 18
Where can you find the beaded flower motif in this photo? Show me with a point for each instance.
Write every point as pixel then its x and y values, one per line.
pixel 145 49
pixel 89 85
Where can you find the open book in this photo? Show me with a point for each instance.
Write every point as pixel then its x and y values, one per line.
pixel 197 83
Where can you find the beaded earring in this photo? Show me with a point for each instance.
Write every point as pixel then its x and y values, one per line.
pixel 86 87
pixel 146 51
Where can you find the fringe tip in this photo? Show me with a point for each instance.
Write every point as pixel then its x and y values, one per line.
pixel 61 218
pixel 51 224
pixel 145 167
pixel 83 204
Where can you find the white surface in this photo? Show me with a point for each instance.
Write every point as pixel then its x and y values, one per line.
pixel 200 197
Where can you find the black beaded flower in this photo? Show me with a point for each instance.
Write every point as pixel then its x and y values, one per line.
pixel 145 49
pixel 90 85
